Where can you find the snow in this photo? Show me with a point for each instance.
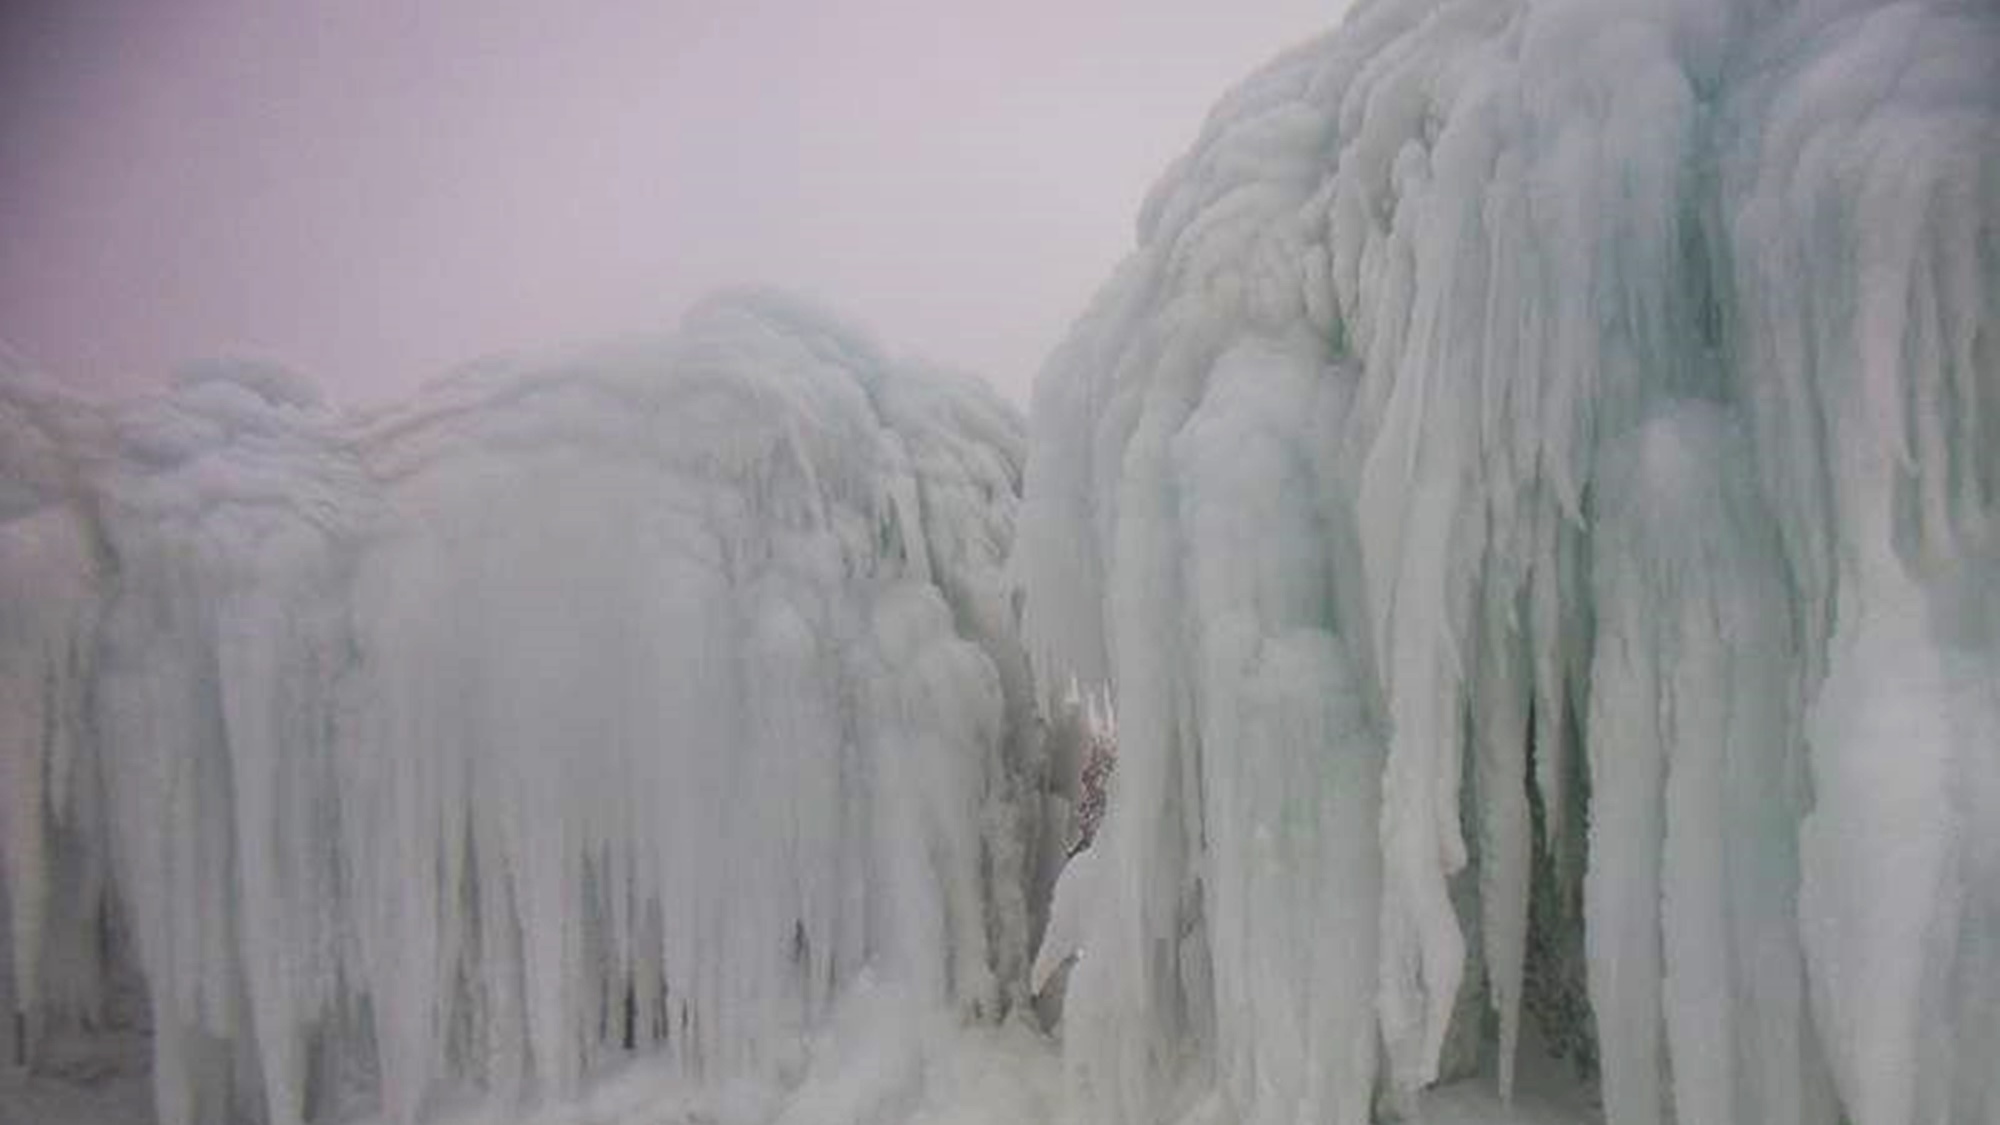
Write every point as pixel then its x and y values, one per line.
pixel 978 1076
pixel 1061 942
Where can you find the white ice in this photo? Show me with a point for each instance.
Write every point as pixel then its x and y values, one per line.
pixel 633 702
pixel 1534 494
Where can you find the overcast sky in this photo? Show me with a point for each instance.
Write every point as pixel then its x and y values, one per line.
pixel 375 191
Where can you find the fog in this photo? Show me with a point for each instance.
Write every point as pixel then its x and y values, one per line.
pixel 372 193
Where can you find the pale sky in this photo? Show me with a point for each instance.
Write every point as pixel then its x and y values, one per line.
pixel 374 191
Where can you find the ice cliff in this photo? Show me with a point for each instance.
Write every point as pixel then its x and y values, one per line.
pixel 1534 491
pixel 646 699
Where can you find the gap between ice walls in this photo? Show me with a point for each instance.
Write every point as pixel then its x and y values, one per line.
pixel 645 701
pixel 1534 495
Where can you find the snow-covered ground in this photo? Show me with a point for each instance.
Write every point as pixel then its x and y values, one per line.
pixel 1008 1075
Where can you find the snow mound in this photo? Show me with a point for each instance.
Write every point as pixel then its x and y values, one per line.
pixel 1535 492
pixel 632 702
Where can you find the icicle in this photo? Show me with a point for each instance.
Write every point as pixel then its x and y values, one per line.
pixel 1505 841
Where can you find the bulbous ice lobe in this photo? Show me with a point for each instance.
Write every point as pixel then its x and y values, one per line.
pixel 637 698
pixel 1533 491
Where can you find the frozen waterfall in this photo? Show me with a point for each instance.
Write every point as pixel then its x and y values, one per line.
pixel 649 698
pixel 1532 496
pixel 1535 492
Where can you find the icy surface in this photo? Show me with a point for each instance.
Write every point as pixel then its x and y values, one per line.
pixel 630 703
pixel 1535 487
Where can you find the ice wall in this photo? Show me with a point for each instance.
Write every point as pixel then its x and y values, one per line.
pixel 1534 486
pixel 640 699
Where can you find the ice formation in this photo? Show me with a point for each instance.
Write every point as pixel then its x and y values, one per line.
pixel 1535 492
pixel 1533 495
pixel 643 699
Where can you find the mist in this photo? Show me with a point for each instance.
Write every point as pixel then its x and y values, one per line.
pixel 374 193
